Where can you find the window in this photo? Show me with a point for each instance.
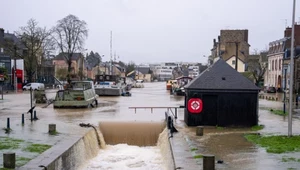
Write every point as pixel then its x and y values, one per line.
pixel 272 65
pixel 275 65
pixel 280 64
pixel 233 62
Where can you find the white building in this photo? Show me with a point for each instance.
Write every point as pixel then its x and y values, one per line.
pixel 273 78
pixel 164 71
pixel 193 71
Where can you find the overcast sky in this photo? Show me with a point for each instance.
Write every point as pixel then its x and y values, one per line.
pixel 157 30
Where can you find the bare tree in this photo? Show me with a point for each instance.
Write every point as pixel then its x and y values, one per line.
pixel 29 45
pixel 70 34
pixel 34 41
pixel 257 70
pixel 62 73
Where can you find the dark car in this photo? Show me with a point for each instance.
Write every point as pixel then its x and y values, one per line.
pixel 270 90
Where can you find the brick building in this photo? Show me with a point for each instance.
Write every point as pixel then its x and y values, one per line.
pixel 286 62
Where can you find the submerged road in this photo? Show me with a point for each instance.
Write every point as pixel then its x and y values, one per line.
pixel 228 145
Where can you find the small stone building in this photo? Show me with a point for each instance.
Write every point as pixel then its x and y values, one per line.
pixel 220 96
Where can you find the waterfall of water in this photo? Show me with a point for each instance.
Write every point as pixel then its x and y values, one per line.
pixel 165 149
pixel 131 133
pixel 78 154
pixel 120 153
pixel 101 138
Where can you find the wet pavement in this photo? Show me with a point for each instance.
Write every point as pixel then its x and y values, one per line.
pixel 226 144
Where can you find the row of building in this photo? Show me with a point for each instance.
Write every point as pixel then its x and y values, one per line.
pixel 233 47
pixel 53 67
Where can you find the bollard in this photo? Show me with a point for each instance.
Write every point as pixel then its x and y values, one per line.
pixel 9 160
pixel 34 115
pixel 30 97
pixel 31 117
pixel 199 131
pixel 52 128
pixel 23 119
pixel 8 124
pixel 208 162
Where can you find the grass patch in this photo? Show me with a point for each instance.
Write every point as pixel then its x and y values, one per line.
pixel 38 148
pixel 290 159
pixel 9 143
pixel 194 149
pixel 219 128
pixel 257 127
pixel 276 144
pixel 198 156
pixel 278 112
pixel 20 161
pixel 53 133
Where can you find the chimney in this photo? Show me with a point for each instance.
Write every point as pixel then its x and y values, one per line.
pixel 1 36
pixel 288 32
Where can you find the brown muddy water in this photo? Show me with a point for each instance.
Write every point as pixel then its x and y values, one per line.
pixel 131 133
pixel 226 144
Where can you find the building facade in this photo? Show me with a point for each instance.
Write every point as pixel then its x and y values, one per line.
pixel 232 43
pixel 273 77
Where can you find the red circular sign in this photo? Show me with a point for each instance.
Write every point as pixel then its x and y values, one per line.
pixel 195 105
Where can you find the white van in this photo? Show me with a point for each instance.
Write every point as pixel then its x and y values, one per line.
pixel 34 86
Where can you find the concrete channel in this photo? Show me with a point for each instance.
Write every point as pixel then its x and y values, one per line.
pixel 75 151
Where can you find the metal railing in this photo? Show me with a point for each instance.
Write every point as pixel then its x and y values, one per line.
pixel 169 109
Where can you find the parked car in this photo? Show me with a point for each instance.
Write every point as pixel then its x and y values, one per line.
pixel 270 90
pixel 34 86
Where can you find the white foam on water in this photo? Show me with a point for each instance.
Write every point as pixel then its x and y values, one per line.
pixel 127 157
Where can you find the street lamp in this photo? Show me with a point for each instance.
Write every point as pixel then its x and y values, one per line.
pixel 291 71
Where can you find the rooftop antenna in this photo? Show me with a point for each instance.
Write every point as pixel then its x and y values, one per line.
pixel 285 22
pixel 115 56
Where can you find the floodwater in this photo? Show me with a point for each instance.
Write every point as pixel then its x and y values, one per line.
pixel 226 144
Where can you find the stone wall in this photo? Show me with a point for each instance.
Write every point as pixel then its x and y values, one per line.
pixel 228 45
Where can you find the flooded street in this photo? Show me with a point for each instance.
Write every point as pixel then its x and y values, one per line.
pixel 226 144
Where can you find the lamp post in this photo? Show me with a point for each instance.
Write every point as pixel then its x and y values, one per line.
pixel 291 72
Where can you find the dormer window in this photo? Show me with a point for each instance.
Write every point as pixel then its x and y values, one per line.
pixel 233 62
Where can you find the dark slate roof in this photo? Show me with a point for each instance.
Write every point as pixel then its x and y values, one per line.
pixel 221 76
pixel 185 72
pixel 75 56
pixel 143 70
pixel 288 52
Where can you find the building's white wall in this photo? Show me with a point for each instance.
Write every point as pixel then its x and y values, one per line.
pixel 241 64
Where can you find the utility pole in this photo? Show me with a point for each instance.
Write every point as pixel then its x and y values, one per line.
pixel 292 72
pixel 15 69
pixel 236 53
pixel 111 53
